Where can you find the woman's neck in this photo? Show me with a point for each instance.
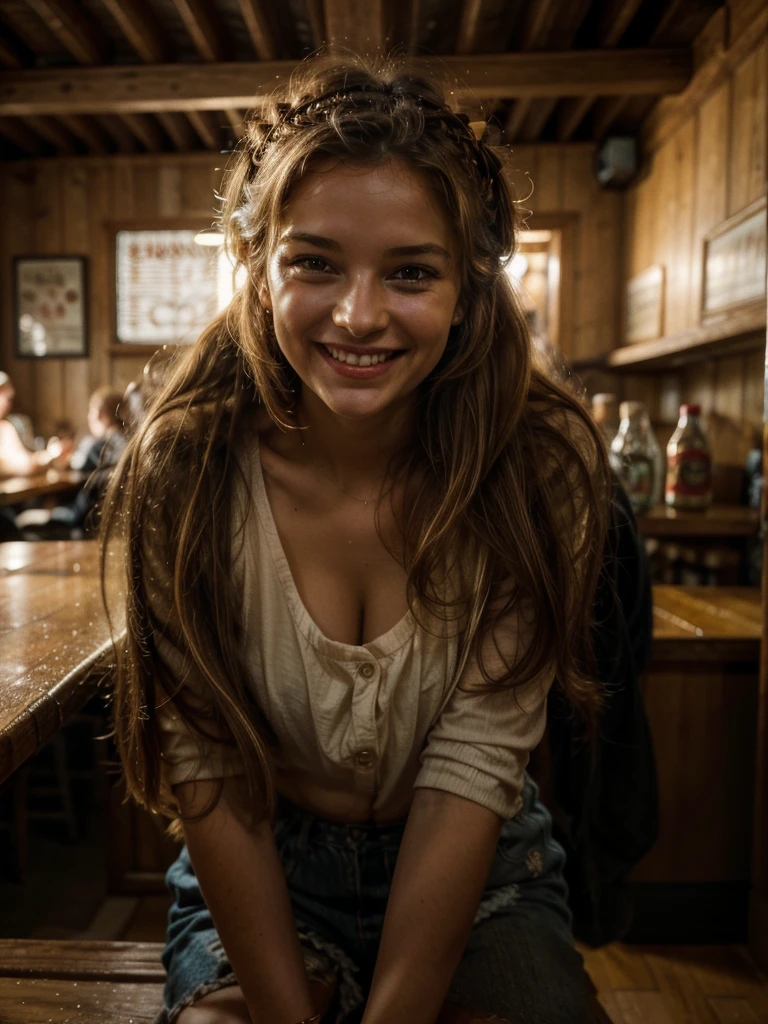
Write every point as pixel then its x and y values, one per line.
pixel 354 452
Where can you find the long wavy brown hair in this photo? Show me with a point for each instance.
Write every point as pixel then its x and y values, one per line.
pixel 505 465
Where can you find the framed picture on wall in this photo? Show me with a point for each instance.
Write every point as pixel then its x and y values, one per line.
pixel 735 263
pixel 50 307
pixel 645 305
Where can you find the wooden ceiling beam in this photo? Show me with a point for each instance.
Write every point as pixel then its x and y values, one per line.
pixel 538 115
pixel 537 24
pixel 21 136
pixel 52 131
pixel 178 129
pixel 236 119
pixel 471 22
pixel 353 25
pixel 616 19
pixel 146 130
pixel 73 28
pixel 606 112
pixel 138 23
pixel 543 29
pixel 13 52
pixel 316 17
pixel 260 28
pixel 219 86
pixel 87 131
pixel 208 127
pixel 116 129
pixel 572 112
pixel 516 119
pixel 205 28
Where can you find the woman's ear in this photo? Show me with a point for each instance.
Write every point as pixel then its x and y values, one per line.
pixel 264 297
pixel 458 316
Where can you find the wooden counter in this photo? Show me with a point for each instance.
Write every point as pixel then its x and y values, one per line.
pixel 711 623
pixel 717 521
pixel 54 641
pixel 701 696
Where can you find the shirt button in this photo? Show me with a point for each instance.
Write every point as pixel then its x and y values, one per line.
pixel 364 758
pixel 367 670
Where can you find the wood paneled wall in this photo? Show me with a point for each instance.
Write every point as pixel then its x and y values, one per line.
pixel 557 183
pixel 706 157
pixel 62 207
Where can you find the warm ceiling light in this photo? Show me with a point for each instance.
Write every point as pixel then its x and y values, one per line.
pixel 211 236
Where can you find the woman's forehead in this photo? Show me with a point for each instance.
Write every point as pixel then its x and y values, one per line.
pixel 390 198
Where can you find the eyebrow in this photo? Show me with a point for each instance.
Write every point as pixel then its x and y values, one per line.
pixel 321 242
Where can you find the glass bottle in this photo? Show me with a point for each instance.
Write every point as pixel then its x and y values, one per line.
pixel 689 463
pixel 605 413
pixel 637 455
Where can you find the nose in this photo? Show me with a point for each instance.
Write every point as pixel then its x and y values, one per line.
pixel 362 309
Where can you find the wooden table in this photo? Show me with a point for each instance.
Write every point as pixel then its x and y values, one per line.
pixel 15 489
pixel 54 641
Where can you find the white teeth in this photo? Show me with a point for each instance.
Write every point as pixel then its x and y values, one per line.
pixel 352 359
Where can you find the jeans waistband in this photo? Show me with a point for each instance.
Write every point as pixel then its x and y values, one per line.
pixel 335 832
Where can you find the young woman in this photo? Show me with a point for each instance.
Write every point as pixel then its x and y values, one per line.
pixel 362 536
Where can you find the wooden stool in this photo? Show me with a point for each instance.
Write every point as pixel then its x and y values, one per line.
pixel 80 982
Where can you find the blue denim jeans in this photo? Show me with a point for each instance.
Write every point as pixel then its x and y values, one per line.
pixel 519 962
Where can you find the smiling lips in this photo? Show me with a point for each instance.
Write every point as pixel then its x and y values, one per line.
pixel 371 357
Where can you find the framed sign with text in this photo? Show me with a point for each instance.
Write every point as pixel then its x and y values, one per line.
pixel 50 307
pixel 735 263
pixel 167 286
pixel 645 305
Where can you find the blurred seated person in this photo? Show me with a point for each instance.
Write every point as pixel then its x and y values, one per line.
pixel 97 454
pixel 143 390
pixel 104 423
pixel 15 457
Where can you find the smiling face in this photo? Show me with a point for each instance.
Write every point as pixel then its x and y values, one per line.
pixel 363 285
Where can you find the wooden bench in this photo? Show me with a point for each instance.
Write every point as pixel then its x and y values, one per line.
pixel 80 982
pixel 73 982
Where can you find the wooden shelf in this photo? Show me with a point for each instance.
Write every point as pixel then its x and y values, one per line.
pixel 727 335
pixel 717 521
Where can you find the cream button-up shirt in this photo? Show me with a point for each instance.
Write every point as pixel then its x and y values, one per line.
pixel 377 720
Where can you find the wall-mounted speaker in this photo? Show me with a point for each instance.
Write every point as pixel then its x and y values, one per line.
pixel 616 161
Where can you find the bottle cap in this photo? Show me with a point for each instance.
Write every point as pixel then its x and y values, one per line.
pixel 629 409
pixel 690 410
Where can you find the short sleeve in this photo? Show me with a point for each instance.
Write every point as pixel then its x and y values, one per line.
pixel 480 745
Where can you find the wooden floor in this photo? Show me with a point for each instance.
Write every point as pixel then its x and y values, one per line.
pixel 636 984
pixel 678 984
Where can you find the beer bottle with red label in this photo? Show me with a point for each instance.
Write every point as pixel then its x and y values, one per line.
pixel 689 463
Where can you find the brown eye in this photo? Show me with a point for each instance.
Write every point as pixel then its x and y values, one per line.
pixel 313 264
pixel 414 274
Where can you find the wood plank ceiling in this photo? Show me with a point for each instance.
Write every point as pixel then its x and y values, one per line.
pixel 131 76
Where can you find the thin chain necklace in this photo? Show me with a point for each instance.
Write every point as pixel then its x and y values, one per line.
pixel 369 501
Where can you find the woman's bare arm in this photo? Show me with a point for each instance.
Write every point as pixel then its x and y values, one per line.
pixel 442 867
pixel 244 887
